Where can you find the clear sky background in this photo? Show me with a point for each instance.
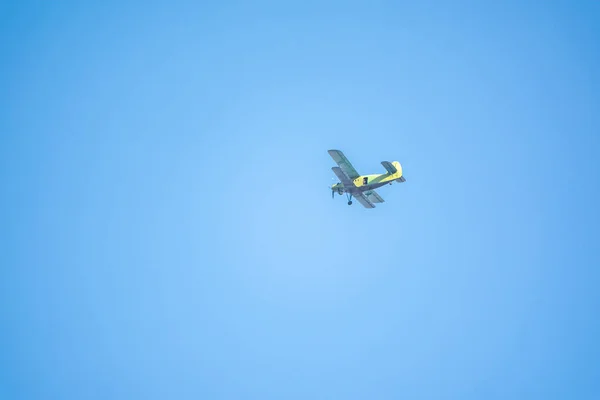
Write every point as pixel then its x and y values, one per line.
pixel 168 231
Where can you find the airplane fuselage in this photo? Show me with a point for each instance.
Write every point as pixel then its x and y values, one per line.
pixel 370 182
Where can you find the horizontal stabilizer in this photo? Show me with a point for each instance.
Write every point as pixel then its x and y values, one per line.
pixel 401 179
pixel 389 167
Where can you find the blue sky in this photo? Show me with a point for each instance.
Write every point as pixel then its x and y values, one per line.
pixel 167 230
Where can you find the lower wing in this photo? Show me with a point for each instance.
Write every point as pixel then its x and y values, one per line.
pixel 374 197
pixel 364 200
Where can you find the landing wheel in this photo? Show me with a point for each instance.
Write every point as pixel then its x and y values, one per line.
pixel 349 195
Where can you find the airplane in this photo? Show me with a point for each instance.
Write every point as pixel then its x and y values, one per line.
pixel 362 187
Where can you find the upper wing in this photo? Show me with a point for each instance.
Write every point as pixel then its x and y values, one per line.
pixel 362 199
pixel 343 177
pixel 389 166
pixel 344 164
pixel 374 197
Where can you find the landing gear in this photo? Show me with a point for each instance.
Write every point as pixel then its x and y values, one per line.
pixel 350 203
pixel 349 195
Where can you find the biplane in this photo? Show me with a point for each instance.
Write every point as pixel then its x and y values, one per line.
pixel 362 187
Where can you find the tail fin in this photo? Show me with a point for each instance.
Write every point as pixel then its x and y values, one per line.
pixel 391 168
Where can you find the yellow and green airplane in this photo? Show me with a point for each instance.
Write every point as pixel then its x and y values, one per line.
pixel 362 187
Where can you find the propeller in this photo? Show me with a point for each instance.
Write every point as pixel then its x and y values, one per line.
pixel 331 187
